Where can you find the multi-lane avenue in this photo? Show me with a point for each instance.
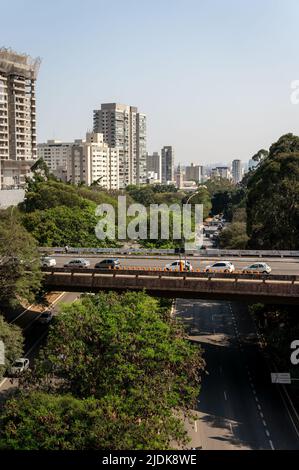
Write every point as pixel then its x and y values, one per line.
pixel 238 407
pixel 278 265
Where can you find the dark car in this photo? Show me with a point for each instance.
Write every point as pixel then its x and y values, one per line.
pixel 110 263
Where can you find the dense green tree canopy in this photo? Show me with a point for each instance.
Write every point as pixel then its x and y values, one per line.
pixel 12 338
pixel 120 344
pixel 273 198
pixel 41 421
pixel 117 372
pixel 20 276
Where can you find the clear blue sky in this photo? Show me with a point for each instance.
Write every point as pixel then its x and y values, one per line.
pixel 213 76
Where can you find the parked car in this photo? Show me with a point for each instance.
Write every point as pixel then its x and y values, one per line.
pixel 110 263
pixel 46 317
pixel 220 266
pixel 19 366
pixel 176 265
pixel 262 268
pixel 77 263
pixel 48 261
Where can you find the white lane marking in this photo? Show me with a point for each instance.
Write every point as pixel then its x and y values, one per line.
pixel 195 425
pixel 3 382
pixel 256 399
pixel 36 343
pixel 261 415
pixel 225 396
pixel 37 316
pixel 271 444
pixel 264 423
pixel 267 432
pixel 288 411
pixel 22 313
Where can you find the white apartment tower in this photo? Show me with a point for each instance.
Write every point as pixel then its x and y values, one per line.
pixel 55 153
pixel 92 160
pixel 124 128
pixel 18 73
pixel 236 171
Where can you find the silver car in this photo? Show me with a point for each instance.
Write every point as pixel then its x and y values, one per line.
pixel 77 263
pixel 20 365
pixel 259 268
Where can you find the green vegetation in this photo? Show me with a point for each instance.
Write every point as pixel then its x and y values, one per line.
pixel 273 198
pixel 12 338
pixel 20 276
pixel 43 421
pixel 279 326
pixel 116 372
pixel 270 195
pixel 58 214
pixel 234 237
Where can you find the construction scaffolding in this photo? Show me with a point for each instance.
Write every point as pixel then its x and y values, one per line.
pixel 13 63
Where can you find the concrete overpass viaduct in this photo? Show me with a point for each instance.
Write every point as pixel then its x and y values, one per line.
pixel 277 288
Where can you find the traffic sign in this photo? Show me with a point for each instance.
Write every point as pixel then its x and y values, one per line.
pixel 280 377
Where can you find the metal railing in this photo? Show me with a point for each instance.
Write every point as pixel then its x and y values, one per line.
pixel 205 252
pixel 162 272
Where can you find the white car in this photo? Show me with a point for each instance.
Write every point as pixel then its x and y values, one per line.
pixel 48 262
pixel 77 263
pixel 176 265
pixel 262 268
pixel 45 317
pixel 19 366
pixel 220 266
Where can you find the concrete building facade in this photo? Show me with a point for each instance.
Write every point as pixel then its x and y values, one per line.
pixel 18 73
pixel 55 153
pixel 124 128
pixel 221 172
pixel 167 163
pixel 237 171
pixel 194 173
pixel 92 160
pixel 153 166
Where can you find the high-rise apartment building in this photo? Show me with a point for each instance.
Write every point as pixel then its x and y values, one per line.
pixel 124 128
pixel 153 165
pixel 237 171
pixel 92 160
pixel 55 153
pixel 194 173
pixel 221 172
pixel 167 159
pixel 18 73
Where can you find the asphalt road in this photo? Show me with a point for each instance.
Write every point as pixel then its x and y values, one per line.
pixel 238 406
pixel 278 265
pixel 34 333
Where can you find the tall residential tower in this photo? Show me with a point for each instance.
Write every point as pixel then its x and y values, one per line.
pixel 124 128
pixel 167 159
pixel 18 73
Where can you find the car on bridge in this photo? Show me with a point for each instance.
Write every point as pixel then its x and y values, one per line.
pixel 259 268
pixel 77 263
pixel 179 264
pixel 110 263
pixel 48 261
pixel 220 267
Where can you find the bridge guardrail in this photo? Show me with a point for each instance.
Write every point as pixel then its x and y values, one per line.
pixel 140 271
pixel 205 252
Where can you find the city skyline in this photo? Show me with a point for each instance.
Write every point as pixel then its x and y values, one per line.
pixel 211 79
